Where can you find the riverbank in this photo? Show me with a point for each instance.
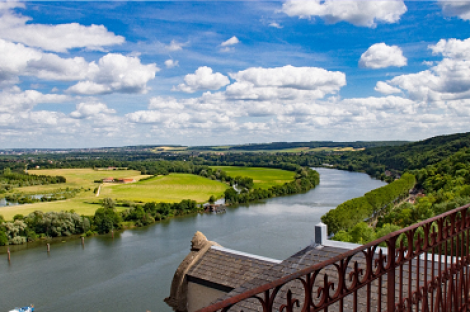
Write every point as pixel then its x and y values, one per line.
pixel 143 211
pixel 98 277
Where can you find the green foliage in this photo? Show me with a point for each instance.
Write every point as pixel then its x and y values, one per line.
pixel 59 194
pixel 3 237
pixel 212 199
pixel 356 210
pixel 10 180
pixel 18 217
pixel 306 179
pixel 362 233
pixel 148 213
pixel 108 203
pixel 107 219
pixel 57 223
pixel 397 159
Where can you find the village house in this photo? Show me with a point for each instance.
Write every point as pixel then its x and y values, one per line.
pixel 211 273
pixel 125 180
pixel 108 180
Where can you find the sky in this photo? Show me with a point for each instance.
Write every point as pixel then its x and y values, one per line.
pixel 91 74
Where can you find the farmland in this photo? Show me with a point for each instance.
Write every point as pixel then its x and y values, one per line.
pixel 171 189
pixel 262 177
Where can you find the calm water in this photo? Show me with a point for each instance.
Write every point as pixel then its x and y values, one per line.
pixel 133 272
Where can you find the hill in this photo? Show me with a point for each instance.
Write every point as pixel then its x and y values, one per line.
pixel 397 159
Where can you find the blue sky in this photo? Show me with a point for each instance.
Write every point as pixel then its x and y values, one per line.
pixel 82 74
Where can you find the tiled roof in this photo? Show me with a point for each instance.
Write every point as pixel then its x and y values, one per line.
pixel 227 268
pixel 311 256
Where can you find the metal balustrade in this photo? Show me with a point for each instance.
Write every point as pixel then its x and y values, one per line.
pixel 431 273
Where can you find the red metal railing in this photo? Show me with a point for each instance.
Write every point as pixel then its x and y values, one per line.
pixel 431 273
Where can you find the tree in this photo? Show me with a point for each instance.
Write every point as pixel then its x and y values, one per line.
pixel 3 238
pixel 107 219
pixel 212 199
pixel 18 217
pixel 108 203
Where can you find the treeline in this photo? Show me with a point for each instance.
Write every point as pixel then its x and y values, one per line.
pixel 55 195
pixel 313 144
pixel 398 159
pixel 305 179
pixel 106 218
pixel 10 180
pixel 151 212
pixel 356 210
pixel 446 186
pixel 38 224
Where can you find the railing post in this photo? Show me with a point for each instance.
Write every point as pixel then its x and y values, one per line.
pixel 391 275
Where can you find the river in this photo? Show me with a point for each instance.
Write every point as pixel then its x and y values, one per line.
pixel 133 271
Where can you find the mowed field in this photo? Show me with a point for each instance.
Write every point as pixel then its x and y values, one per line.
pixel 262 177
pixel 77 178
pixel 171 189
pixel 83 203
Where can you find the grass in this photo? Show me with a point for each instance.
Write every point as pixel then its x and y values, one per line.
pixel 76 178
pixel 171 188
pixel 262 177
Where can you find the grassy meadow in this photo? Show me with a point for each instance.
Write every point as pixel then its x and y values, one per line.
pixel 83 203
pixel 262 177
pixel 171 189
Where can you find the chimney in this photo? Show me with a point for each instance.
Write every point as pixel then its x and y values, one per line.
pixel 321 233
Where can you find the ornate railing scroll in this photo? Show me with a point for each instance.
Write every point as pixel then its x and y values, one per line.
pixel 424 267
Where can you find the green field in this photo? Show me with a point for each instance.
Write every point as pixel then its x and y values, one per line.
pixel 171 189
pixel 262 177
pixel 76 178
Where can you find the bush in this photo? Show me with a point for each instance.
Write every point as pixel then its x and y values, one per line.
pixel 18 217
pixel 3 238
pixel 17 240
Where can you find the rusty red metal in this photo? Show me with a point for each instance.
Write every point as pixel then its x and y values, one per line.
pixel 424 267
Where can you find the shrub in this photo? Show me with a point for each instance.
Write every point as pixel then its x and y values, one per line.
pixel 18 217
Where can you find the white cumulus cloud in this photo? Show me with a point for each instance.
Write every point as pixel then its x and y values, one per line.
pixel 452 48
pixel 57 38
pixel 385 88
pixel 380 55
pixel 456 8
pixel 13 102
pixel 164 103
pixel 112 73
pixel 287 82
pixel 171 63
pixel 117 73
pixel 175 46
pixel 359 13
pixel 84 110
pixel 230 42
pixel 448 80
pixel 203 79
pixel 276 25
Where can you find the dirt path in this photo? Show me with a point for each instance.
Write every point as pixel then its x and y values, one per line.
pixel 99 189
